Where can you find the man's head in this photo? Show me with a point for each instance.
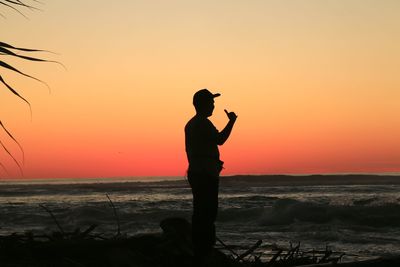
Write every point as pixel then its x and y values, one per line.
pixel 203 101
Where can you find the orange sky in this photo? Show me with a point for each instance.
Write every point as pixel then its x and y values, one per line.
pixel 315 85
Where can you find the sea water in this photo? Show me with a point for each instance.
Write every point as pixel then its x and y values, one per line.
pixel 360 220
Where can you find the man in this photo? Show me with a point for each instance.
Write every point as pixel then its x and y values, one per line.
pixel 202 140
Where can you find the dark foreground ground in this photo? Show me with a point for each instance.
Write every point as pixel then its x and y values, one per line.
pixel 171 247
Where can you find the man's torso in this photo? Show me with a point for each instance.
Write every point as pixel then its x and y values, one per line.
pixel 201 146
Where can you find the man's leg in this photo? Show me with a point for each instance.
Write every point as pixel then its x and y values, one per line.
pixel 205 208
pixel 211 206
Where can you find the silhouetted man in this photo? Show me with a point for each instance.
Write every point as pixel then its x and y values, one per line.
pixel 202 140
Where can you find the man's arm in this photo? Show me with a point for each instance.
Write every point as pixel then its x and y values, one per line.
pixel 224 134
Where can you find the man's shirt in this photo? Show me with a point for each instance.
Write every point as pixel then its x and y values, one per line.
pixel 201 146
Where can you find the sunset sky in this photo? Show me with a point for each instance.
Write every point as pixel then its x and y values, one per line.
pixel 315 84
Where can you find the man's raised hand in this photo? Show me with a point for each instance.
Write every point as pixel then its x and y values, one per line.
pixel 231 115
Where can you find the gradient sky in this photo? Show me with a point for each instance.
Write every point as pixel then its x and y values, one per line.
pixel 315 84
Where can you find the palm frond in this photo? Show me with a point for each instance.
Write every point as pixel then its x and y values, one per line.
pixel 15 93
pixel 4 168
pixel 4 3
pixel 2 44
pixel 11 155
pixel 7 50
pixel 20 3
pixel 15 4
pixel 7 66
pixel 15 140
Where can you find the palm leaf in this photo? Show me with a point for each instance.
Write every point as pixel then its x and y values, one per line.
pixel 4 168
pixel 12 7
pixel 10 50
pixel 5 51
pixel 15 93
pixel 7 66
pixel 22 49
pixel 14 4
pixel 9 153
pixel 20 3
pixel 15 140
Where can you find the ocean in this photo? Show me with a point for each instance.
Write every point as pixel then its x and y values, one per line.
pixel 360 217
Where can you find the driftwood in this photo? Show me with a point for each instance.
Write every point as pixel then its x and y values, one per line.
pixel 249 251
pixel 273 259
pixel 228 248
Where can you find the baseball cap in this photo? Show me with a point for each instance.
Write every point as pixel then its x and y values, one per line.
pixel 203 96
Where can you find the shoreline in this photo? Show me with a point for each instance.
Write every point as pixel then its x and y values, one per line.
pixel 272 180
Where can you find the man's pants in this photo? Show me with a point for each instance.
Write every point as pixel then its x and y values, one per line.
pixel 205 209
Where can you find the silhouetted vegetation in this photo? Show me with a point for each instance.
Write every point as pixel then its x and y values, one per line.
pixel 11 51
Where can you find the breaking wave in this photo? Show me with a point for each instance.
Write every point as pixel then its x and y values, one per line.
pixel 288 211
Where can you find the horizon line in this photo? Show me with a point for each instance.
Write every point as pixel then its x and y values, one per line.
pixel 172 177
